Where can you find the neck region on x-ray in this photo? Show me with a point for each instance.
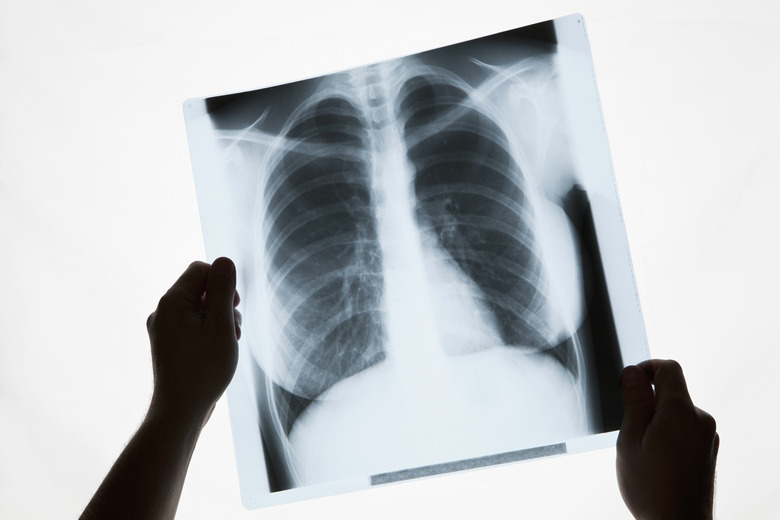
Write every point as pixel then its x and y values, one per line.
pixel 417 294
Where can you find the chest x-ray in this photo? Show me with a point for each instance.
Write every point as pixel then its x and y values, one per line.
pixel 432 262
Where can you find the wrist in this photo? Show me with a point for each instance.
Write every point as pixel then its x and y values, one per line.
pixel 177 416
pixel 682 512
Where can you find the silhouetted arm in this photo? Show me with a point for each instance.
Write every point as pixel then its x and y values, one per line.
pixel 194 337
pixel 667 448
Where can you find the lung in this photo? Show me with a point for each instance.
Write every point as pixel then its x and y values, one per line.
pixel 471 195
pixel 325 266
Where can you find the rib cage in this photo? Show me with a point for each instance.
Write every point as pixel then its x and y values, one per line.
pixel 322 245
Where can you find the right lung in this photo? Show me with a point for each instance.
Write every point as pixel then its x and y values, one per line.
pixel 325 265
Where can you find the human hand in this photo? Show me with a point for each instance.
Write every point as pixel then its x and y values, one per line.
pixel 667 448
pixel 194 336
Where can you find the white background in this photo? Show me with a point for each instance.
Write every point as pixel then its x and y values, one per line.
pixel 98 217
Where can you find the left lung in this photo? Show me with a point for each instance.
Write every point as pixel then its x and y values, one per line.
pixel 470 193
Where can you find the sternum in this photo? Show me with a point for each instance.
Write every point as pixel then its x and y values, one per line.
pixel 412 344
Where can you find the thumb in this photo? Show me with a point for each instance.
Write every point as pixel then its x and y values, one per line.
pixel 638 404
pixel 221 290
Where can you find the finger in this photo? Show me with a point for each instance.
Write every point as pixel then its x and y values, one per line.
pixel 191 283
pixel 150 321
pixel 667 376
pixel 236 300
pixel 220 290
pixel 638 404
pixel 237 320
pixel 715 446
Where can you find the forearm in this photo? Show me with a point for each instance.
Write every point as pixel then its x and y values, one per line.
pixel 147 479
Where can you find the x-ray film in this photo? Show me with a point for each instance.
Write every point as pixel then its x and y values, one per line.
pixel 432 262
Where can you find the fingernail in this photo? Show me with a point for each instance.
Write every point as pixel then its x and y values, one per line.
pixel 225 268
pixel 630 378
